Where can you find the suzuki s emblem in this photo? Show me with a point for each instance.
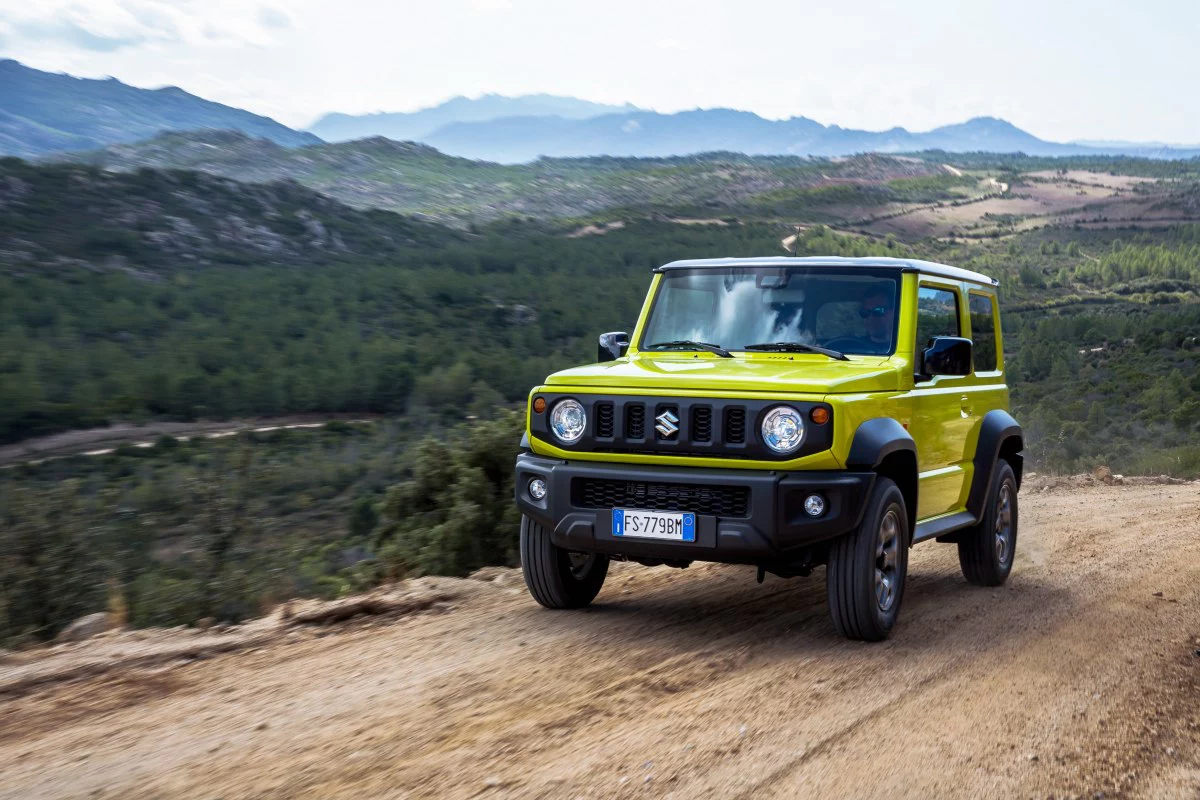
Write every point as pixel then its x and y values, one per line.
pixel 668 424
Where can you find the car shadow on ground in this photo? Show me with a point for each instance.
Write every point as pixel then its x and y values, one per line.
pixel 726 607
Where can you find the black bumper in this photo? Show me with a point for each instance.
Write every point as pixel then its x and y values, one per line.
pixel 753 517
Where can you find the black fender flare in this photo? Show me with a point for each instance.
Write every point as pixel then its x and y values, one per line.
pixel 874 442
pixel 998 427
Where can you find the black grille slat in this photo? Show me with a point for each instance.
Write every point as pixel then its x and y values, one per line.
pixel 735 425
pixel 635 421
pixel 702 424
pixel 719 501
pixel 604 420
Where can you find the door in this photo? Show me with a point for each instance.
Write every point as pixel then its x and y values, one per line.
pixel 942 406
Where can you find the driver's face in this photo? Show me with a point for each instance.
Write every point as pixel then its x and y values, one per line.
pixel 879 314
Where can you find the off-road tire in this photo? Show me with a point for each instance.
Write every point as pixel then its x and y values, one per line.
pixel 558 578
pixel 855 600
pixel 985 557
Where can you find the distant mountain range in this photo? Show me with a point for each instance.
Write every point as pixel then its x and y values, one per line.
pixel 418 125
pixel 43 112
pixel 522 129
pixel 650 134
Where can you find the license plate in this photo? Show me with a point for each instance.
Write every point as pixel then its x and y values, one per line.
pixel 671 525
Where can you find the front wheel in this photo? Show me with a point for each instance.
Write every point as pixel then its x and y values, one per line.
pixel 559 578
pixel 868 568
pixel 985 552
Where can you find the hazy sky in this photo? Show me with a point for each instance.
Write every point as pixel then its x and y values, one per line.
pixel 1063 70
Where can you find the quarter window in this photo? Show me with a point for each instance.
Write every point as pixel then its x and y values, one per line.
pixel 983 333
pixel 937 315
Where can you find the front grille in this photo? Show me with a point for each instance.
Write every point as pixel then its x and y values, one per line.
pixel 735 425
pixel 701 427
pixel 604 420
pixel 702 424
pixel 635 421
pixel 720 501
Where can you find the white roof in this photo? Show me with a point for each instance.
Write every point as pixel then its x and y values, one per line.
pixel 904 264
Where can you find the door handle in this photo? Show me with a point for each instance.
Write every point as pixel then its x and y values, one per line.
pixel 965 405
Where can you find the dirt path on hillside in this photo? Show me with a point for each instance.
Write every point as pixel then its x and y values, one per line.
pixel 1080 676
pixel 101 441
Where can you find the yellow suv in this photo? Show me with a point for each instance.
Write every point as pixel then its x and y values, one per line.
pixel 784 413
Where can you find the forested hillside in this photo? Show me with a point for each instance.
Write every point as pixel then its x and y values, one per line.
pixel 416 178
pixel 180 295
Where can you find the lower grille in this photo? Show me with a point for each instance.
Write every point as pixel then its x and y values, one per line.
pixel 720 501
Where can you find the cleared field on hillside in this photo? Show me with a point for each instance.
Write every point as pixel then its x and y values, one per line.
pixel 1090 199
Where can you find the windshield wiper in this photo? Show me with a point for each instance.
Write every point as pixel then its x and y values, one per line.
pixel 797 347
pixel 688 344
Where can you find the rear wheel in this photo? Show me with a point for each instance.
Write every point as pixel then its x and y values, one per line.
pixel 985 552
pixel 559 578
pixel 868 568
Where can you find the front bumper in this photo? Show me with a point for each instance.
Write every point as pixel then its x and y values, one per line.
pixel 765 523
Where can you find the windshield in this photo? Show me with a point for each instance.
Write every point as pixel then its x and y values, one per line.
pixel 850 311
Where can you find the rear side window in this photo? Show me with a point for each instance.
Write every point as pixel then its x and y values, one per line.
pixel 937 315
pixel 983 333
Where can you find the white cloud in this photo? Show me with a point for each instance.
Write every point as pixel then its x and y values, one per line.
pixel 273 17
pixel 109 25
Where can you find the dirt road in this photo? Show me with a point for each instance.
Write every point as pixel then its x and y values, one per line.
pixel 1080 676
pixel 101 441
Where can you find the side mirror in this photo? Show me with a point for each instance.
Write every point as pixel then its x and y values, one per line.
pixel 947 355
pixel 612 346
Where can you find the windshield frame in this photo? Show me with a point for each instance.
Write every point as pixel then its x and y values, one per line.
pixel 881 272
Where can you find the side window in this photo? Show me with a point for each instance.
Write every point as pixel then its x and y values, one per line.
pixel 983 333
pixel 937 315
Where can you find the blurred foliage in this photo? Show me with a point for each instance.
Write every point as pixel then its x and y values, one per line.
pixel 227 528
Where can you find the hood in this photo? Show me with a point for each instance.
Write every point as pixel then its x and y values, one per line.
pixel 773 372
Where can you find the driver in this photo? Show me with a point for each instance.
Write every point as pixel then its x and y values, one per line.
pixel 879 313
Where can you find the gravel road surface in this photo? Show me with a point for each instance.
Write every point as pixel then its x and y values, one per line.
pixel 1080 676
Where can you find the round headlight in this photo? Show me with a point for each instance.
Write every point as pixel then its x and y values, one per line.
pixel 568 421
pixel 783 429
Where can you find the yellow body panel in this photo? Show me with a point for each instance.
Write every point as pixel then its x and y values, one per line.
pixel 943 415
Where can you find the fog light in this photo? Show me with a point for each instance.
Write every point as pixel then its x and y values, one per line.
pixel 814 505
pixel 537 488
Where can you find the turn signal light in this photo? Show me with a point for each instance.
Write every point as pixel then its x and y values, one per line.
pixel 819 415
pixel 539 405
